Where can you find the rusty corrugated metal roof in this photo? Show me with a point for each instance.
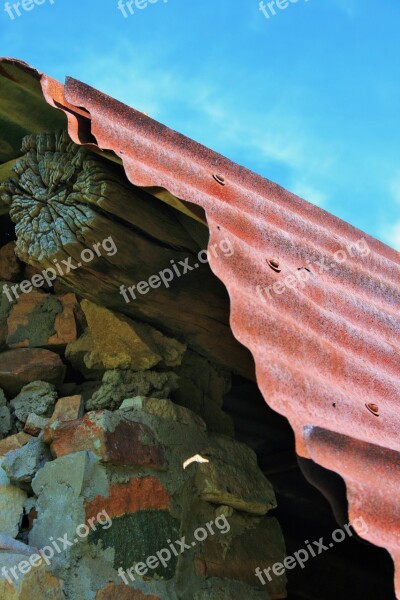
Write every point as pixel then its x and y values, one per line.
pixel 326 352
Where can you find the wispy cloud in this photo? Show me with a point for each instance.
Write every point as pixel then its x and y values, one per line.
pixel 310 193
pixel 391 235
pixel 214 115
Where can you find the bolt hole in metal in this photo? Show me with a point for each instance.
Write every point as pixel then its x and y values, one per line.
pixel 274 264
pixel 219 178
pixel 373 408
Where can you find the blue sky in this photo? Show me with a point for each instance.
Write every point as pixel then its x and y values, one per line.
pixel 308 97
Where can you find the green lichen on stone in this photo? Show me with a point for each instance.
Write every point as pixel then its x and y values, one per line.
pixel 40 326
pixel 137 536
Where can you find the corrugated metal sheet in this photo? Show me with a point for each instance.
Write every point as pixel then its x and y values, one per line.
pixel 327 352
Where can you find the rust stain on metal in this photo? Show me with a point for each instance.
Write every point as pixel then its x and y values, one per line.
pixel 325 348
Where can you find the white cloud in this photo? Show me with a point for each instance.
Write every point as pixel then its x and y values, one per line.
pixel 391 236
pixel 199 107
pixel 308 192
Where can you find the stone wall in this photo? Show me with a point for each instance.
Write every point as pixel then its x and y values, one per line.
pixel 118 463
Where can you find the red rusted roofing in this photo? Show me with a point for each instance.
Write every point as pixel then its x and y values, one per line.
pixel 326 351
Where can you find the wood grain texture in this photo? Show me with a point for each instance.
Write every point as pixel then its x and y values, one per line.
pixel 65 199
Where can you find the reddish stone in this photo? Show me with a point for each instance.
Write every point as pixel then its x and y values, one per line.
pixel 13 442
pixel 10 266
pixel 22 366
pixel 122 592
pixel 113 439
pixel 32 308
pixel 126 498
pixel 68 408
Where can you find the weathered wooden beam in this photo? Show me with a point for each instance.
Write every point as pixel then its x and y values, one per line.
pixel 64 200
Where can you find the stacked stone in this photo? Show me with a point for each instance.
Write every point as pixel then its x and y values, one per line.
pixel 114 430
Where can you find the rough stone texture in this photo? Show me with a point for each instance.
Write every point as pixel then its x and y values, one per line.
pixel 123 592
pixel 60 488
pixel 42 320
pixel 149 531
pixel 109 436
pixel 12 501
pixel 21 465
pixel 202 387
pixel 5 416
pixel 112 341
pixel 74 202
pixel 165 409
pixel 38 584
pixel 258 547
pixel 5 421
pixel 145 493
pixel 35 424
pixel 25 365
pixel 232 477
pixel 118 385
pixel 10 266
pixel 38 397
pixel 68 408
pixel 148 509
pixel 9 544
pixel 13 442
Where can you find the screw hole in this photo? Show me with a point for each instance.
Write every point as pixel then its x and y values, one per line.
pixel 219 178
pixel 373 408
pixel 274 264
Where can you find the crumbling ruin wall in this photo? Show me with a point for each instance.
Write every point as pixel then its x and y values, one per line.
pixel 119 473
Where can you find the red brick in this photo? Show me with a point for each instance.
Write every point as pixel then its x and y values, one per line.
pixel 125 498
pixel 63 324
pixel 68 408
pixel 22 366
pixel 113 439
